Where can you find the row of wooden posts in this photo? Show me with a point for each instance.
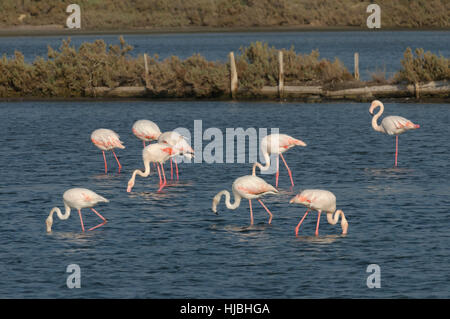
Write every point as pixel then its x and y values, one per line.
pixel 440 89
pixel 234 75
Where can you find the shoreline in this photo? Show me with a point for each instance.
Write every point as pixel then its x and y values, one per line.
pixel 403 100
pixel 59 30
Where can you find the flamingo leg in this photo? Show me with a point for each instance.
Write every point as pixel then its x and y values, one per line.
pixel 396 150
pixel 171 169
pixel 120 166
pixel 176 169
pixel 81 219
pixel 251 212
pixel 289 171
pixel 278 172
pixel 106 165
pixel 159 174
pixel 164 175
pixel 301 221
pixel 267 210
pixel 318 221
pixel 144 143
pixel 99 215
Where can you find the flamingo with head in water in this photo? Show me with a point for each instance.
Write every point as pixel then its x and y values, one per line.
pixel 146 131
pixel 107 140
pixel 320 201
pixel 77 198
pixel 391 125
pixel 154 153
pixel 277 144
pixel 249 187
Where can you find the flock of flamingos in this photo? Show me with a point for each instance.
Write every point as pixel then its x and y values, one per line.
pixel 170 144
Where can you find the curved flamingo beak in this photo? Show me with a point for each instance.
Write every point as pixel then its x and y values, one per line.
pixel 49 223
pixel 344 226
pixel 373 106
pixel 130 186
pixel 300 143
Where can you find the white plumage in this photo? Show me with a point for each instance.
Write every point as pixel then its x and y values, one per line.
pixel 321 201
pixel 146 130
pixel 249 187
pixel 106 139
pixel 77 198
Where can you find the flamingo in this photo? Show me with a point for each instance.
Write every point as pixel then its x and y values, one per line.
pixel 154 153
pixel 391 125
pixel 249 187
pixel 107 140
pixel 179 144
pixel 77 198
pixel 146 130
pixel 320 200
pixel 277 144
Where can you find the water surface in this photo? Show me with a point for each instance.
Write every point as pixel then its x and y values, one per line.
pixel 171 245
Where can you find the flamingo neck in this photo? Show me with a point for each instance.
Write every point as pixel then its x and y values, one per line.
pixel 144 173
pixel 261 167
pixel 60 215
pixel 334 218
pixel 375 118
pixel 216 200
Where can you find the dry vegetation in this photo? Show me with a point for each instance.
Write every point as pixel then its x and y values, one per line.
pixel 423 66
pixel 111 14
pixel 69 71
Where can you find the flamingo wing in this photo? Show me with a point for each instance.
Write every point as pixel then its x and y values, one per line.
pixel 251 186
pixel 146 130
pixel 106 139
pixel 396 125
pixel 318 199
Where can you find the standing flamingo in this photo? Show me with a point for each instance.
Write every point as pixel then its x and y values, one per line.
pixel 249 187
pixel 320 200
pixel 391 125
pixel 277 144
pixel 179 144
pixel 146 130
pixel 154 153
pixel 77 198
pixel 107 140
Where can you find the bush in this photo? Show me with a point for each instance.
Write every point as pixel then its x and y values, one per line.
pixel 423 67
pixel 257 66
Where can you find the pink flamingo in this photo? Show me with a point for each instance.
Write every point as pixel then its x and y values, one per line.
pixel 249 187
pixel 320 200
pixel 154 153
pixel 179 145
pixel 107 140
pixel 146 130
pixel 277 144
pixel 77 198
pixel 391 125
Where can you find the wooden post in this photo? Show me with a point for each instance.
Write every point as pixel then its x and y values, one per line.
pixel 233 76
pixel 280 74
pixel 416 90
pixel 146 71
pixel 356 72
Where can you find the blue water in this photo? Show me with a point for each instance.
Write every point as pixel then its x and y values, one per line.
pixel 378 51
pixel 171 245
